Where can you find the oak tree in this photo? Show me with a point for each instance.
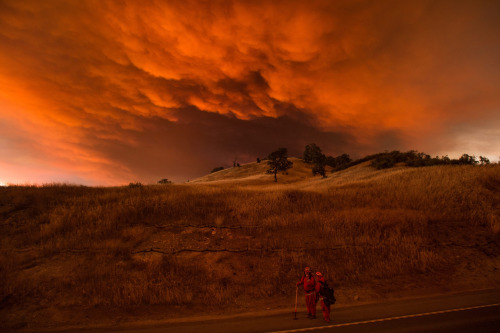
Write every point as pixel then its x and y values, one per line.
pixel 278 161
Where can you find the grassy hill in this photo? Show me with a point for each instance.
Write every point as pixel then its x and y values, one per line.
pixel 299 176
pixel 255 173
pixel 80 255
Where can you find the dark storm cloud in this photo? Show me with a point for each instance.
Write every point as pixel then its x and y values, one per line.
pixel 165 148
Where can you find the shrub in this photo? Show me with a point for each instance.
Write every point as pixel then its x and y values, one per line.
pixel 217 169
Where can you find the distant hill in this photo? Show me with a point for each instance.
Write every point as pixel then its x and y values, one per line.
pixel 300 175
pixel 255 173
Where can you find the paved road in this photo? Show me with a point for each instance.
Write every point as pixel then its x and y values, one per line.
pixel 472 319
pixel 465 312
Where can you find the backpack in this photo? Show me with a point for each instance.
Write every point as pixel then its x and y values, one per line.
pixel 328 294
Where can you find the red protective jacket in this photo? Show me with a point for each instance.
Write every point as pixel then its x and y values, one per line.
pixel 308 282
pixel 319 285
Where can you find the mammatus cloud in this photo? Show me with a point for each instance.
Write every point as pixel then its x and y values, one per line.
pixel 110 92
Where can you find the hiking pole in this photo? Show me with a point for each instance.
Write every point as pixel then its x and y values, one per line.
pixel 296 295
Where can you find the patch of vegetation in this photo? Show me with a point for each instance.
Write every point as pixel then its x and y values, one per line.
pixel 413 158
pixel 338 161
pixel 217 169
pixel 313 155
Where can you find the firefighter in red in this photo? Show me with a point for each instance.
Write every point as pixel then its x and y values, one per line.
pixel 309 287
pixel 320 281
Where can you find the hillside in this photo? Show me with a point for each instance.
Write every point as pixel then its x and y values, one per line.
pixel 83 256
pixel 298 177
pixel 255 173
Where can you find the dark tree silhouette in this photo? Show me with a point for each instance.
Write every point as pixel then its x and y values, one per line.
pixel 484 160
pixel 319 169
pixel 278 161
pixel 217 169
pixel 467 159
pixel 311 153
pixel 319 165
pixel 338 161
pixel 343 159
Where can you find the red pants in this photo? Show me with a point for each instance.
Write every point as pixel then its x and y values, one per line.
pixel 311 303
pixel 326 310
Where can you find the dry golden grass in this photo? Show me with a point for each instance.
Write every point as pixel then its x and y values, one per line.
pixel 255 173
pixel 211 243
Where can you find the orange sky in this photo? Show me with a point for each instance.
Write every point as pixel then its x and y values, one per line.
pixel 109 92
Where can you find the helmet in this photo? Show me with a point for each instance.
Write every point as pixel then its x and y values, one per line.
pixel 307 270
pixel 319 274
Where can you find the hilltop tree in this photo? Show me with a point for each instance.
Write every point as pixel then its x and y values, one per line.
pixel 330 161
pixel 319 165
pixel 164 181
pixel 446 159
pixel 311 153
pixel 484 160
pixel 319 169
pixel 338 161
pixel 467 159
pixel 343 159
pixel 278 161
